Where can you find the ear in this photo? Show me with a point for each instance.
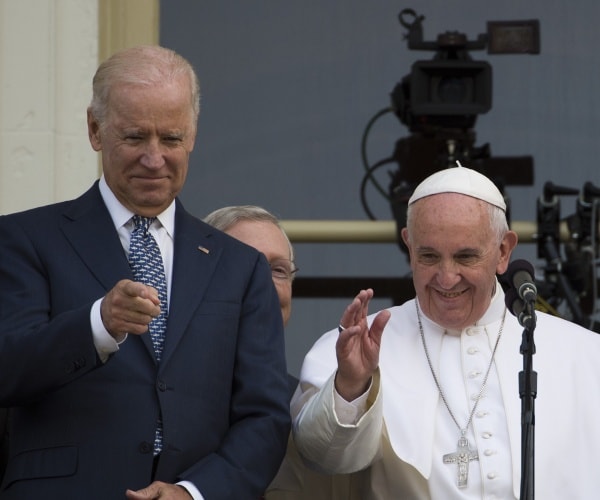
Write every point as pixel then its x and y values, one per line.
pixel 94 131
pixel 406 239
pixel 507 245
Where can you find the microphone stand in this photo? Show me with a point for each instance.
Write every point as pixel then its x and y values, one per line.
pixel 527 392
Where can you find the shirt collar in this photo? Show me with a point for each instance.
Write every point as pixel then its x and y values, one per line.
pixel 121 215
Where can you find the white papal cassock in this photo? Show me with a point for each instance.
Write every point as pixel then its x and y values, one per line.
pixel 399 442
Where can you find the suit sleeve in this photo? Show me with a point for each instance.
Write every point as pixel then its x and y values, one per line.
pixel 40 347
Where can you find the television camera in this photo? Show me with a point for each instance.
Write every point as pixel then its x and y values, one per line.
pixel 440 100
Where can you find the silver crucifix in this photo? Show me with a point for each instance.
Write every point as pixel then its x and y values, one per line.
pixel 462 457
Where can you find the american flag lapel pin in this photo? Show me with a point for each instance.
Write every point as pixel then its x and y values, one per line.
pixel 203 249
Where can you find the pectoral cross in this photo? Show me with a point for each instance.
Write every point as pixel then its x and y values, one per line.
pixel 462 457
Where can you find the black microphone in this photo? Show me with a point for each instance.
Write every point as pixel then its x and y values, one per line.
pixel 520 275
pixel 522 310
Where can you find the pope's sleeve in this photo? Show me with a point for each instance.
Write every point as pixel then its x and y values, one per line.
pixel 324 442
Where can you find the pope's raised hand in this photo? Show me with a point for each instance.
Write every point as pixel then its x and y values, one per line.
pixel 357 347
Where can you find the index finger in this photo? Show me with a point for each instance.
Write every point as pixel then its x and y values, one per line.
pixel 357 310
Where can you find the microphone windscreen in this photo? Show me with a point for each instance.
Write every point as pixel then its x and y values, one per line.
pixel 519 265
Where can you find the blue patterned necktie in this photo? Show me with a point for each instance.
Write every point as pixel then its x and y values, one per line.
pixel 147 266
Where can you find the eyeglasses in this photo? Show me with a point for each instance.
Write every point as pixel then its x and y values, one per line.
pixel 283 269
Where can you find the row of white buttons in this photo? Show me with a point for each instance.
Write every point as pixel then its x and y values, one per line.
pixel 480 414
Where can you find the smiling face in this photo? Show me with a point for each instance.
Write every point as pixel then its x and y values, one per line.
pixel 146 141
pixel 454 256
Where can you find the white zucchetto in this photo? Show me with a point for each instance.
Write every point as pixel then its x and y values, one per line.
pixel 460 180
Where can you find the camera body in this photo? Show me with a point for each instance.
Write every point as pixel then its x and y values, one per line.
pixel 451 90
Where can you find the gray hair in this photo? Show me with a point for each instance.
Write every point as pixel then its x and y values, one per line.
pixel 143 65
pixel 224 218
pixel 497 216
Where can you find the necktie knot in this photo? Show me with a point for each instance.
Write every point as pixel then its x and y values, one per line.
pixel 142 223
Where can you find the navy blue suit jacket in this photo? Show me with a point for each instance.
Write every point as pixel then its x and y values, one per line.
pixel 81 428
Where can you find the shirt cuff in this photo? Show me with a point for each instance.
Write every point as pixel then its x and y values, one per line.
pixel 191 489
pixel 103 341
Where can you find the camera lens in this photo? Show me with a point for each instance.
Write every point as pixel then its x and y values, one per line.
pixel 452 90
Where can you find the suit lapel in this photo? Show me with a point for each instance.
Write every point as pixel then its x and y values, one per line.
pixel 90 230
pixel 195 259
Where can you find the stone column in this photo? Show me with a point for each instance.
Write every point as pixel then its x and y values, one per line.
pixel 49 51
pixel 48 54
